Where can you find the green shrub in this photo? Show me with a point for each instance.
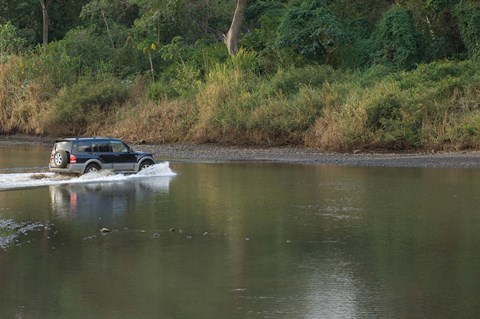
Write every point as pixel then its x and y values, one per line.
pixel 357 51
pixel 312 29
pixel 10 41
pixel 180 80
pixel 468 13
pixel 397 40
pixel 284 120
pixel 52 62
pixel 291 80
pixel 245 61
pixel 91 51
pixel 383 112
pixel 86 101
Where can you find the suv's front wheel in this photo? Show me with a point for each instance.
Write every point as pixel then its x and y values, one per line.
pixel 92 168
pixel 146 164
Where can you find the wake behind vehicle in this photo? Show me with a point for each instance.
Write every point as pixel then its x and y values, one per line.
pixel 90 154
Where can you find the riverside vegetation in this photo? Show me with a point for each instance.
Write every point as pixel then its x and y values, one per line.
pixel 336 75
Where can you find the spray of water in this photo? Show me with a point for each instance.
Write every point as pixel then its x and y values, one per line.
pixel 23 180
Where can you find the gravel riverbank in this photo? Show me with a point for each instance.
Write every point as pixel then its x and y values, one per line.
pixel 219 153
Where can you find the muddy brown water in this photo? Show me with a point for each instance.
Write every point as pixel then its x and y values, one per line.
pixel 239 240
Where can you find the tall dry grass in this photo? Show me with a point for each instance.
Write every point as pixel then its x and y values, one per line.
pixel 435 106
pixel 23 103
pixel 150 122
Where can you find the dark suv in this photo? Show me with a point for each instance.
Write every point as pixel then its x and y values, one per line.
pixel 90 154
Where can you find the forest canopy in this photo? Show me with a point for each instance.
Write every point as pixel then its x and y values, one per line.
pixel 349 34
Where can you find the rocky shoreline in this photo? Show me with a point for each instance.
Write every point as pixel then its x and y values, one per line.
pixel 220 153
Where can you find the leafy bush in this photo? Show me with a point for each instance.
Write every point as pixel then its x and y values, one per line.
pixel 53 63
pixel 381 113
pixel 357 50
pixel 86 101
pixel 311 29
pixel 10 41
pixel 180 80
pixel 291 80
pixel 397 39
pixel 91 51
pixel 469 19
pixel 284 120
pixel 245 61
pixel 184 66
pixel 434 106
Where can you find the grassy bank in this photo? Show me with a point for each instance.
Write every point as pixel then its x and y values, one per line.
pixel 435 106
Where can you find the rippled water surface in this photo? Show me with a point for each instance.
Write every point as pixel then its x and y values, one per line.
pixel 238 240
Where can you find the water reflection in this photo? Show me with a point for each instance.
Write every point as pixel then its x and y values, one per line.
pixel 107 199
pixel 258 240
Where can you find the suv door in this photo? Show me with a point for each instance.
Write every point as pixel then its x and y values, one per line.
pixel 124 159
pixel 103 151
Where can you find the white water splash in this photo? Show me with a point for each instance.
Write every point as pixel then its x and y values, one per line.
pixel 23 180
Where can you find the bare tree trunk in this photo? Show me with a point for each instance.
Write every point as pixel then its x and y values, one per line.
pixel 151 65
pixel 231 40
pixel 44 4
pixel 108 29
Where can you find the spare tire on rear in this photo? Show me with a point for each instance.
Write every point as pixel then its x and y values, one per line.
pixel 60 159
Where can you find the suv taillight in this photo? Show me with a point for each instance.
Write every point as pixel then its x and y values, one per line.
pixel 73 159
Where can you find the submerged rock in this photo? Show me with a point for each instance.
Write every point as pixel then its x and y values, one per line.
pixel 10 231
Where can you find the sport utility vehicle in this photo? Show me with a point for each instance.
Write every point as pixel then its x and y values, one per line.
pixel 90 154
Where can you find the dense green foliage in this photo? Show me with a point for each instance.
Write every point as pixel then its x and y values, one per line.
pixel 328 73
pixel 397 40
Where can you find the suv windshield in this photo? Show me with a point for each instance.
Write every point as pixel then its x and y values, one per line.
pixel 118 147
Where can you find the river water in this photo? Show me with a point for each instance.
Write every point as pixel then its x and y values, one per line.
pixel 238 240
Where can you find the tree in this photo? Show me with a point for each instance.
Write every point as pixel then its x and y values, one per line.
pixel 442 26
pixel 397 39
pixel 311 29
pixel 45 4
pixel 468 13
pixel 10 42
pixel 231 40
pixel 99 7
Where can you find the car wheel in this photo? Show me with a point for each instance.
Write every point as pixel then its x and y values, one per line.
pixel 60 159
pixel 92 168
pixel 146 164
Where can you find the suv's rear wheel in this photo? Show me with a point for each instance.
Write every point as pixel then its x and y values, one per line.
pixel 60 159
pixel 92 168
pixel 146 164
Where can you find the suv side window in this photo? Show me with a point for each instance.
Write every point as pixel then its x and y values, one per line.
pixel 118 147
pixel 84 147
pixel 102 147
